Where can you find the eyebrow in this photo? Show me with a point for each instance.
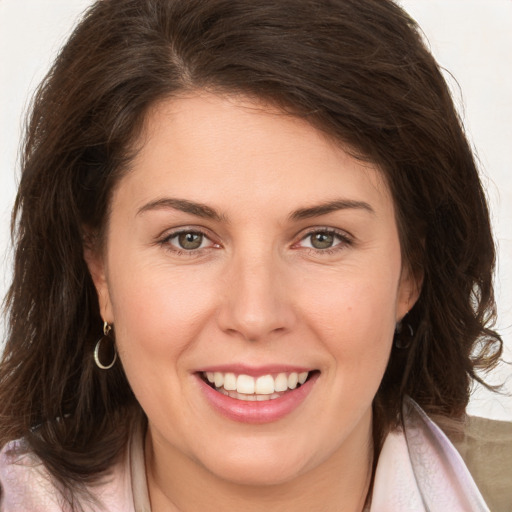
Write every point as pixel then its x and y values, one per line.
pixel 206 212
pixel 330 206
pixel 198 209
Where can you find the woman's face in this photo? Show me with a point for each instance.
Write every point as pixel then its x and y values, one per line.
pixel 243 247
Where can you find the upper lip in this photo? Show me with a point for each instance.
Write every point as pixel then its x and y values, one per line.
pixel 254 371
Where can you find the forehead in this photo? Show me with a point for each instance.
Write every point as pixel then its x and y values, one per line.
pixel 208 148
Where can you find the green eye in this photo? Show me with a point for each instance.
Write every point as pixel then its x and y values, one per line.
pixel 322 240
pixel 190 241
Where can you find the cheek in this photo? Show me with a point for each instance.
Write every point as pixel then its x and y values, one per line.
pixel 158 318
pixel 358 309
pixel 355 322
pixel 157 313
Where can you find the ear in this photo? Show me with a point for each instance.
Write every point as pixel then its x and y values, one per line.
pixel 96 263
pixel 409 289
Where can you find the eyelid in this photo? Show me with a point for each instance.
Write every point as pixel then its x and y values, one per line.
pixel 166 236
pixel 346 239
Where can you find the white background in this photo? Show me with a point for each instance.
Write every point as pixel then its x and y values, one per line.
pixel 472 39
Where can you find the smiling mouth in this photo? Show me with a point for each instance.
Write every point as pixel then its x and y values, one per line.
pixel 256 389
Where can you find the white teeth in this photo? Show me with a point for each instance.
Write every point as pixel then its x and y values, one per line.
pixel 218 379
pixel 230 382
pixel 248 398
pixel 245 384
pixel 242 396
pixel 293 379
pixel 261 388
pixel 264 385
pixel 281 382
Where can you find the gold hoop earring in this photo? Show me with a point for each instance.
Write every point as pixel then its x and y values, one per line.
pixel 106 334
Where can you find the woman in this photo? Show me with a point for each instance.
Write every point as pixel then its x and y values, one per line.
pixel 272 213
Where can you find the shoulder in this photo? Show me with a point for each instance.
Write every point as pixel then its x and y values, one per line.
pixel 420 469
pixel 486 448
pixel 24 481
pixel 26 484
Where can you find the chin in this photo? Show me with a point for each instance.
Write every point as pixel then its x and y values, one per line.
pixel 256 468
pixel 257 475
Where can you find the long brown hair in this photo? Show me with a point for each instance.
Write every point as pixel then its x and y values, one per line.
pixel 357 70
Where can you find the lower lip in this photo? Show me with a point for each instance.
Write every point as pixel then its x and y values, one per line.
pixel 257 412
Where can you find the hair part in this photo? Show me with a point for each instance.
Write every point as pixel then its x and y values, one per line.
pixel 355 69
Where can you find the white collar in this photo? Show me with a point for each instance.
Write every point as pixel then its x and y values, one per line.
pixel 420 470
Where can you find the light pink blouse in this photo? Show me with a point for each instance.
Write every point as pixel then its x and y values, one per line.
pixel 418 470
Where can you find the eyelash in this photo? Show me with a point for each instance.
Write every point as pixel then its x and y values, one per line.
pixel 344 241
pixel 166 242
pixel 343 238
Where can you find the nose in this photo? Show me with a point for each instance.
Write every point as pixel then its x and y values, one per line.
pixel 256 302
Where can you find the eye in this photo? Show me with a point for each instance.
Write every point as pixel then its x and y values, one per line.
pixel 188 240
pixel 324 239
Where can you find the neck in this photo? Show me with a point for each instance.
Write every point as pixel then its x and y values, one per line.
pixel 339 484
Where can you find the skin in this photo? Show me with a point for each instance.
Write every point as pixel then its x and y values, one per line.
pixel 255 293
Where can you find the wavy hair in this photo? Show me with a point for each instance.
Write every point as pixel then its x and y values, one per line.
pixel 356 69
